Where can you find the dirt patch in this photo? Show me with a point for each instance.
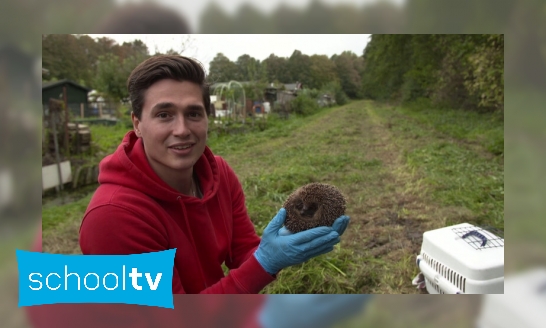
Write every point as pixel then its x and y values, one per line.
pixel 388 228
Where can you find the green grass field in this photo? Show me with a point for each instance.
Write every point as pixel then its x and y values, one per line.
pixel 403 170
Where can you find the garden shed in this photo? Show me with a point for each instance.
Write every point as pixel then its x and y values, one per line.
pixel 76 96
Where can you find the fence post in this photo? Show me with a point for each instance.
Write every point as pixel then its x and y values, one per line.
pixel 77 138
pixel 54 109
pixel 100 109
pixel 81 110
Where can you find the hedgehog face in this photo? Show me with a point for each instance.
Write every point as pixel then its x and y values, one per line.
pixel 313 205
pixel 306 209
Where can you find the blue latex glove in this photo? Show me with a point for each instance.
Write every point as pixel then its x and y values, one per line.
pixel 340 224
pixel 310 310
pixel 276 251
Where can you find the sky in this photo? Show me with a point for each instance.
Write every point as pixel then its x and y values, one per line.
pixel 204 47
pixel 191 10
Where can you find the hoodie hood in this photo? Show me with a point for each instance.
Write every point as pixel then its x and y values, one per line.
pixel 129 167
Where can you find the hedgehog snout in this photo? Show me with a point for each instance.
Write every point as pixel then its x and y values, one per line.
pixel 309 210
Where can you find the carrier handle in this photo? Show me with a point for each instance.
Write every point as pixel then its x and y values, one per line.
pixel 476 234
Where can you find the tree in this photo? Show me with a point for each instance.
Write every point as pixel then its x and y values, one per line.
pixel 259 81
pixel 385 63
pixel 222 69
pixel 63 57
pixel 130 49
pixel 277 69
pixel 348 67
pixel 247 68
pixel 322 71
pixel 299 66
pixel 112 74
pixel 91 51
pixel 486 77
pixel 457 71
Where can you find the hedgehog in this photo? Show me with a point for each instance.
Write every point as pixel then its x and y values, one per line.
pixel 313 205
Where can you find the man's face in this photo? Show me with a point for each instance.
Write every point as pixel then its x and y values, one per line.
pixel 173 126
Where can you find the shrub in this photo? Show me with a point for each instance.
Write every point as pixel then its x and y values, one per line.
pixel 304 105
pixel 334 88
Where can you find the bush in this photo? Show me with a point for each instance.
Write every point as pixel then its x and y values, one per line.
pixel 311 93
pixel 304 105
pixel 334 88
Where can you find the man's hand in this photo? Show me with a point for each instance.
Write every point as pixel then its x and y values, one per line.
pixel 280 250
pixel 340 224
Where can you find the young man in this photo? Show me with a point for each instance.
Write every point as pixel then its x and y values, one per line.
pixel 163 188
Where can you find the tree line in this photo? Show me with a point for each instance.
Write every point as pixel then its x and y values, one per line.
pixel 104 65
pixel 100 63
pixel 452 70
pixel 312 71
pixel 457 71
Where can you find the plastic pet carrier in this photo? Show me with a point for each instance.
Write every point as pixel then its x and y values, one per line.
pixel 462 259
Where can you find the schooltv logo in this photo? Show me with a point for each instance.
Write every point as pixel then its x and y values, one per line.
pixel 143 279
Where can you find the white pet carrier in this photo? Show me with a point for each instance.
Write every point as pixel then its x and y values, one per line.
pixel 462 259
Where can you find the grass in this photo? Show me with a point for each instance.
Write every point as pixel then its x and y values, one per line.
pixel 57 215
pixel 458 153
pixel 105 139
pixel 485 129
pixel 403 171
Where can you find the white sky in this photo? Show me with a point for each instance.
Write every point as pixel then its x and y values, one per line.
pixel 204 47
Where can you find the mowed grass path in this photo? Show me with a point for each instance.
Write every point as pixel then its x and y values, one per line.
pixel 401 176
pixel 403 172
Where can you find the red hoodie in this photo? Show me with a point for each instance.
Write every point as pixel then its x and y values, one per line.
pixel 133 211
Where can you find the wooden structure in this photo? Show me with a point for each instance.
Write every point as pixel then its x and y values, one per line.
pixel 71 93
pixel 64 137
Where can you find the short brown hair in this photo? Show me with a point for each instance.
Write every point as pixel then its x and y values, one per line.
pixel 162 67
